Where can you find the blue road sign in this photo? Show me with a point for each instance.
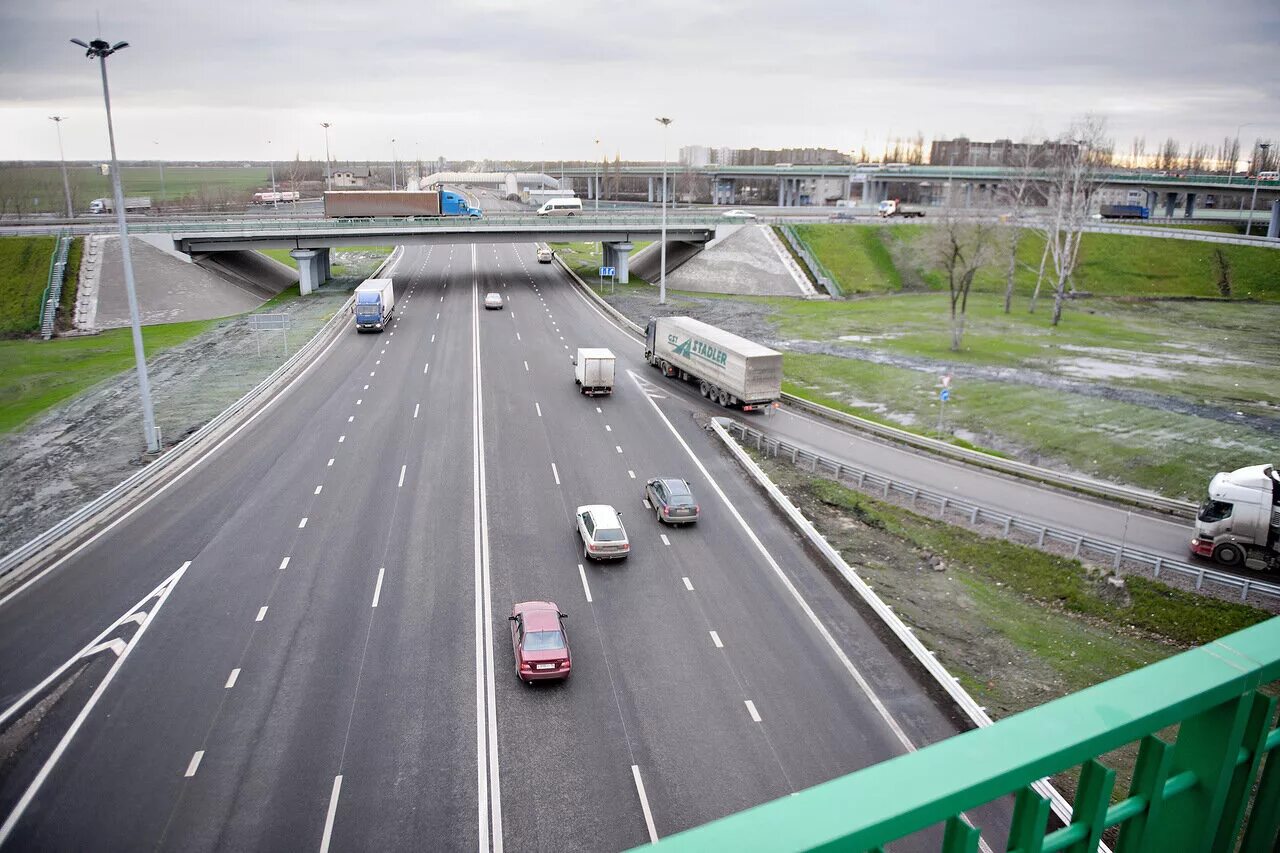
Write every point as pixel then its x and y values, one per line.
pixel 945 394
pixel 608 272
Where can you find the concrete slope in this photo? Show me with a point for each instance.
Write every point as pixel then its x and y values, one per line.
pixel 250 270
pixel 648 261
pixel 744 262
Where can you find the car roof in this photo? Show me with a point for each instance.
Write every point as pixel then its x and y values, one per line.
pixel 602 514
pixel 676 486
pixel 538 615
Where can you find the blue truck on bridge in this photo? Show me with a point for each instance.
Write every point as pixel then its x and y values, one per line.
pixel 1124 211
pixel 370 203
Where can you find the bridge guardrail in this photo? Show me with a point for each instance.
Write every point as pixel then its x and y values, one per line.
pixel 1081 546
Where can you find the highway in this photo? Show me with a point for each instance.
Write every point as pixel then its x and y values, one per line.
pixel 329 665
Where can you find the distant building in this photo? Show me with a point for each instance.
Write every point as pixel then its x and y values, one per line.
pixel 695 155
pixel 963 151
pixel 349 179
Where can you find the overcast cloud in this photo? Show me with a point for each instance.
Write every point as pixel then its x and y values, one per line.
pixel 505 79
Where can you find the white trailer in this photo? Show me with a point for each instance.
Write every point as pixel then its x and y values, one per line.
pixel 131 203
pixel 729 369
pixel 593 370
pixel 375 300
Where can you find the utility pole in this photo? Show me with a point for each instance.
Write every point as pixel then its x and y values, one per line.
pixel 66 184
pixel 393 164
pixel 275 196
pixel 100 50
pixel 328 169
pixel 662 250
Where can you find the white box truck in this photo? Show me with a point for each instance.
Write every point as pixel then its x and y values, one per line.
pixel 131 204
pixel 1240 522
pixel 730 370
pixel 593 370
pixel 375 300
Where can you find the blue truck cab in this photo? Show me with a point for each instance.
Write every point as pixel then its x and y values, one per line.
pixel 454 204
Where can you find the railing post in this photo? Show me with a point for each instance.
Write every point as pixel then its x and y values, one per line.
pixel 1262 712
pixel 1150 772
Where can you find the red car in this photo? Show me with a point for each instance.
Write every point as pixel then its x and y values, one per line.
pixel 539 641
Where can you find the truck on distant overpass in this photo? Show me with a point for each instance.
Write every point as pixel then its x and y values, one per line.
pixel 370 203
pixel 131 204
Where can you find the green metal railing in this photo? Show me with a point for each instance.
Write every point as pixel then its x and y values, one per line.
pixel 1213 785
pixel 817 269
pixel 52 294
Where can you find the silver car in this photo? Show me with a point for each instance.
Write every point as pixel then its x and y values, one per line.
pixel 672 500
pixel 493 300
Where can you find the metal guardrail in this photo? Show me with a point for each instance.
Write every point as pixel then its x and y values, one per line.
pixel 817 270
pixel 1081 546
pixel 52 294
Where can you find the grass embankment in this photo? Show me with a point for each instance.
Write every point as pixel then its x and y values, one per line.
pixel 38 189
pixel 1017 626
pixel 37 375
pixel 586 259
pixel 24 272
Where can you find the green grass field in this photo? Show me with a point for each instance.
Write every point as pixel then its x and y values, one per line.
pixel 38 189
pixel 585 259
pixel 37 375
pixel 24 272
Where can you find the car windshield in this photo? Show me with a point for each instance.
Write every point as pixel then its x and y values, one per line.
pixel 1214 510
pixel 541 641
pixel 609 534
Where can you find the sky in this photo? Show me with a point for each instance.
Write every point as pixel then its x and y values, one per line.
pixel 514 79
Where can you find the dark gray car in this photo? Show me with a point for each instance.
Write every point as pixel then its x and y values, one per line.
pixel 672 500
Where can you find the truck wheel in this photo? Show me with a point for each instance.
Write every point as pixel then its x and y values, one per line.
pixel 1228 554
pixel 704 389
pixel 724 398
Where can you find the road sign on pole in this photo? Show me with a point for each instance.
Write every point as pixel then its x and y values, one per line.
pixel 610 273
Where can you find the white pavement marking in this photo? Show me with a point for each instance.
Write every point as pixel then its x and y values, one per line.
pixel 400 485
pixel 608 428
pixel 426 366
pixel 715 638
pixel 358 402
pixel 644 805
pixel 817 623
pixel 160 594
pixel 437 315
pixel 599 410
pixel 377 590
pixel 433 339
pixel 415 409
pixel 351 418
pixel 341 439
pixel 231 679
pixel 303 523
pixel 366 387
pixel 330 465
pixel 646 503
pixel 318 488
pixel 262 613
pixel 631 474
pixel 538 408
pixel 688 584
pixel 284 564
pixel 194 764
pixel 751 709
pixel 582 573
pixel 665 540
pixel 618 447
pixel 555 473
pixel 328 819
pixel 526 367
pixel 518 336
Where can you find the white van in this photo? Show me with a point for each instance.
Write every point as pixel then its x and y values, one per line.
pixel 561 207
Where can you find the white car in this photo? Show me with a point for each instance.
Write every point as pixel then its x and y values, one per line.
pixel 738 214
pixel 493 300
pixel 545 255
pixel 602 533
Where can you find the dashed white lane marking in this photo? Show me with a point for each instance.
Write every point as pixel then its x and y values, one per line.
pixel 358 402
pixel 341 439
pixel 582 573
pixel 437 315
pixel 351 418
pixel 644 805
pixel 366 387
pixel 665 540
pixel 384 352
pixel 608 428
pixel 517 336
pixel 646 503
pixel 688 584
pixel 195 763
pixel 433 339
pixel 562 336
pixel 442 295
pixel 599 410
pixel 715 638
pixel 425 366
pixel 377 590
pixel 372 372
pixel 538 408
pixel 317 491
pixel 415 409
pixel 631 474
pixel 284 564
pixel 751 709
pixel 618 447
pixel 262 613
pixel 231 679
pixel 566 346
pixel 303 523
pixel 330 465
pixel 328 820
pixel 555 473
pixel 401 483
pixel 377 361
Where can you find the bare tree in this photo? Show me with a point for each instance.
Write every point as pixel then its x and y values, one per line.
pixel 1229 155
pixel 1016 194
pixel 1138 152
pixel 1168 156
pixel 960 247
pixel 1074 177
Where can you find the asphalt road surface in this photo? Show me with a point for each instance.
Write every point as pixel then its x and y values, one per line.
pixel 325 661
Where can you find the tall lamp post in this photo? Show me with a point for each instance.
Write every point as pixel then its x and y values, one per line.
pixel 393 163
pixel 328 169
pixel 662 250
pixel 66 185
pixel 1258 163
pixel 100 50
pixel 1232 171
pixel 275 196
pixel 597 192
pixel 164 196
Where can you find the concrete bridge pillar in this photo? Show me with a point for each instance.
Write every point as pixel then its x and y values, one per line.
pixel 968 195
pixel 326 267
pixel 310 270
pixel 782 192
pixel 1153 200
pixel 620 255
pixel 1170 202
pixel 651 189
pixel 1190 209
pixel 1273 230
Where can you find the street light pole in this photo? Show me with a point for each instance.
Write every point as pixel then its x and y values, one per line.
pixel 100 50
pixel 1232 171
pixel 662 250
pixel 275 196
pixel 393 163
pixel 328 169
pixel 597 192
pixel 1257 173
pixel 62 158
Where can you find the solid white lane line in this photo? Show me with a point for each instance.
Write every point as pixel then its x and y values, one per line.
pixel 377 590
pixel 284 564
pixel 665 540
pixel 751 709
pixel 195 763
pixel 555 473
pixel 644 805
pixel 582 573
pixel 415 409
pixel 715 638
pixel 526 367
pixel 688 584
pixel 231 679
pixel 328 820
pixel 262 613
pixel 426 366
pixel 539 409
pixel 318 488
pixel 303 523
pixel 400 484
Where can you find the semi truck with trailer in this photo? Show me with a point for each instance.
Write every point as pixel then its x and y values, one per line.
pixel 375 300
pixel 1239 525
pixel 275 197
pixel 593 370
pixel 1124 211
pixel 370 203
pixel 729 370
pixel 132 204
